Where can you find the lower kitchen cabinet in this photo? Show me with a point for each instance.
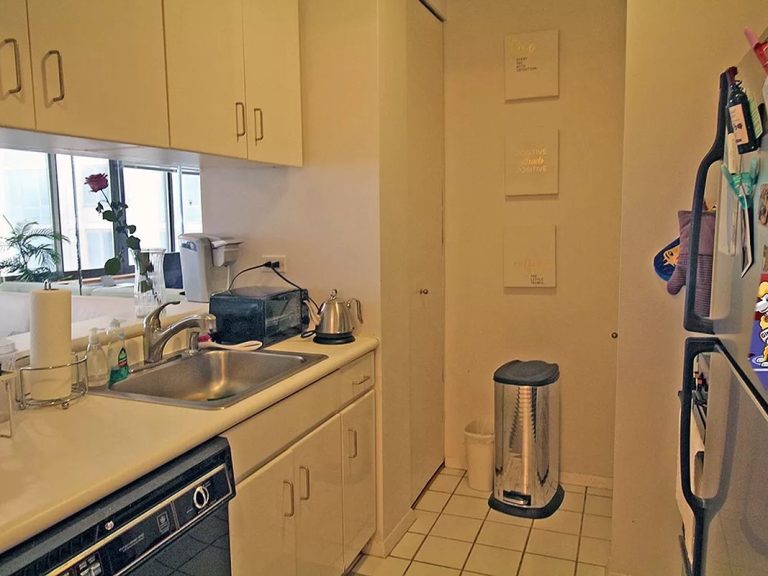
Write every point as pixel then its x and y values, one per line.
pixel 358 480
pixel 317 463
pixel 262 521
pixel 311 510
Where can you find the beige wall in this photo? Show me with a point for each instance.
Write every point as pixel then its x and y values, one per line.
pixel 571 324
pixel 675 53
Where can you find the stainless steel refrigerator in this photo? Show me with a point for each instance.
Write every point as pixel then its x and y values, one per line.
pixel 723 472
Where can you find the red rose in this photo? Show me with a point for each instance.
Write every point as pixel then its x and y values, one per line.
pixel 97 182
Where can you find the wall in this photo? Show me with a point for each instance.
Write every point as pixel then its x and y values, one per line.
pixel 675 53
pixel 572 323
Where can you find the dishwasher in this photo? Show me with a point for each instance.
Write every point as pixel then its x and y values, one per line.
pixel 171 522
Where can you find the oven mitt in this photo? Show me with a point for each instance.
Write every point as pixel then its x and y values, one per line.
pixel 704 272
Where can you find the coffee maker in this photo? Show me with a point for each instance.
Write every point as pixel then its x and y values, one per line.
pixel 205 264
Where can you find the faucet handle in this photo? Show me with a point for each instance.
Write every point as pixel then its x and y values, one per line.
pixel 152 320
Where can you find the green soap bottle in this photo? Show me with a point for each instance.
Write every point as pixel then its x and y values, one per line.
pixel 118 357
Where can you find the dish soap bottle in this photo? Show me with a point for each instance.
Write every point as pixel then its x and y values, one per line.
pixel 96 360
pixel 118 357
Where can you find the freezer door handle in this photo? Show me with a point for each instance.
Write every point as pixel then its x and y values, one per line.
pixel 692 320
pixel 693 347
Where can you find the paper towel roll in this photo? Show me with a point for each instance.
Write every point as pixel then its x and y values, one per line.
pixel 50 327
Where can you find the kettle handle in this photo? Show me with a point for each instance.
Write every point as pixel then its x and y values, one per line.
pixel 358 306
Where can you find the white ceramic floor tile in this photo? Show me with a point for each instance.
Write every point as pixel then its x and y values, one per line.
pixel 596 527
pixel 575 488
pixel 443 552
pixel 453 471
pixel 590 570
pixel 503 536
pixel 419 569
pixel 374 566
pixel 573 501
pixel 467 506
pixel 600 492
pixel 594 551
pixel 432 501
pixel 598 505
pixel 444 483
pixel 561 521
pixel 493 561
pixel 534 565
pixel 553 544
pixel 464 489
pixel 496 516
pixel 408 545
pixel 424 521
pixel 456 527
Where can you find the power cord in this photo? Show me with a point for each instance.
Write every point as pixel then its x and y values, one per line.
pixel 273 266
pixel 266 264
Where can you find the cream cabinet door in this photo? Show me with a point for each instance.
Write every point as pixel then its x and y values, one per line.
pixel 272 81
pixel 317 460
pixel 17 108
pixel 262 521
pixel 206 76
pixel 99 69
pixel 358 424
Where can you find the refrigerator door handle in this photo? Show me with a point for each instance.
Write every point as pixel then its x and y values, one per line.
pixel 691 319
pixel 693 347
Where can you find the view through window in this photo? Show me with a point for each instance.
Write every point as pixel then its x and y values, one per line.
pixel 49 189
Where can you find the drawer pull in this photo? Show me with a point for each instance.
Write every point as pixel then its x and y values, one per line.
pixel 60 66
pixel 290 499
pixel 258 128
pixel 363 380
pixel 307 481
pixel 353 443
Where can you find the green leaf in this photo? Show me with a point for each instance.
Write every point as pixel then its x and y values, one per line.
pixel 99 207
pixel 145 286
pixel 131 228
pixel 133 243
pixel 109 216
pixel 112 266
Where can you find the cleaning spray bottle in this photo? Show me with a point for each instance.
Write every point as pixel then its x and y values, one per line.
pixel 118 357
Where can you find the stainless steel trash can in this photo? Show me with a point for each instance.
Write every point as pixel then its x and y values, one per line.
pixel 527 428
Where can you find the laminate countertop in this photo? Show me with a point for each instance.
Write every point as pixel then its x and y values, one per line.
pixel 60 461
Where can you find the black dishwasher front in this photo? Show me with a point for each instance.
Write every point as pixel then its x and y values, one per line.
pixel 171 522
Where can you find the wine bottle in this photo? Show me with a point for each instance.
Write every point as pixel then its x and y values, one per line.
pixel 739 114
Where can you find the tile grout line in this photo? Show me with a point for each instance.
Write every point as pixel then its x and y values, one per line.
pixel 581 530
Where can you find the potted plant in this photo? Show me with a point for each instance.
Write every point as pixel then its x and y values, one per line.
pixel 33 254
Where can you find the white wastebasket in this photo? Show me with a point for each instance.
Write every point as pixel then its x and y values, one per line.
pixel 478 436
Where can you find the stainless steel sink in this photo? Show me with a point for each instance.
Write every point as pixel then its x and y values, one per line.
pixel 210 379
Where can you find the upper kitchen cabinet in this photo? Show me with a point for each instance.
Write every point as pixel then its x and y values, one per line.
pixel 16 100
pixel 206 76
pixel 99 70
pixel 234 84
pixel 273 81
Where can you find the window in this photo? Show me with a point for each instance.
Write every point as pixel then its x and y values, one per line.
pixel 162 203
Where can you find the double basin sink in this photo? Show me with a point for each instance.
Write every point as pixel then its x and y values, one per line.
pixel 210 379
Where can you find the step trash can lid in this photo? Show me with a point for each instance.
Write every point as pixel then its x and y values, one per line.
pixel 527 373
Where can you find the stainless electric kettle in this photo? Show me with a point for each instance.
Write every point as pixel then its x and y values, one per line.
pixel 336 322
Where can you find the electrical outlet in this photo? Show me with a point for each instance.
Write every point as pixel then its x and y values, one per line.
pixel 273 258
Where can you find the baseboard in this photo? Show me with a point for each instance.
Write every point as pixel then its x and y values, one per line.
pixel 588 480
pixel 381 547
pixel 455 463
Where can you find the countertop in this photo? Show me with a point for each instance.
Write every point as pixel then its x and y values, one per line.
pixel 60 461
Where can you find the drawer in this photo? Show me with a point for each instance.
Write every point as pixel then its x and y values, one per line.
pixel 356 378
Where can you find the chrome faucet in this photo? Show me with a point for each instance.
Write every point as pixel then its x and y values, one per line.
pixel 155 337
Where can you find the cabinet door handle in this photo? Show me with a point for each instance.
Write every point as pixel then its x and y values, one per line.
pixel 17 61
pixel 258 119
pixel 307 482
pixel 239 119
pixel 362 380
pixel 60 64
pixel 353 443
pixel 290 499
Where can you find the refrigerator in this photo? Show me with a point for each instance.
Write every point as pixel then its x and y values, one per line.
pixel 723 466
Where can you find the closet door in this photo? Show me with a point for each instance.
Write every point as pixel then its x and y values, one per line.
pixel 426 169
